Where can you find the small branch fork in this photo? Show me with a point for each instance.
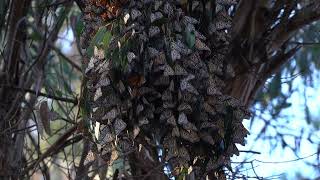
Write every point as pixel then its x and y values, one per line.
pixel 276 35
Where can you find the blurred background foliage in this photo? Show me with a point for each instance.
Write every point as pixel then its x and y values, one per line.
pixel 287 113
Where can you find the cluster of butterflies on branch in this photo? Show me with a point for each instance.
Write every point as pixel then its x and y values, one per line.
pixel 156 78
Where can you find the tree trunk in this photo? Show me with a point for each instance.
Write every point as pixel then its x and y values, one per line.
pixel 10 100
pixel 178 77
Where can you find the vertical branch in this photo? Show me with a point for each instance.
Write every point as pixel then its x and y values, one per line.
pixel 15 41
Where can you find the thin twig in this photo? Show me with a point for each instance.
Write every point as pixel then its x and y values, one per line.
pixel 69 100
pixel 253 152
pixel 73 64
pixel 55 147
pixel 275 162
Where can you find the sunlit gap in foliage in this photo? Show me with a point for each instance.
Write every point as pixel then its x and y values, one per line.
pixel 290 136
pixel 66 39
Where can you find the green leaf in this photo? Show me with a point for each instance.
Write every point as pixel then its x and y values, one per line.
pixel 98 37
pixel 79 27
pixel 107 53
pixel 183 173
pixel 102 37
pixel 106 39
pixel 90 51
pixel 36 36
pixel 190 38
pixel 275 87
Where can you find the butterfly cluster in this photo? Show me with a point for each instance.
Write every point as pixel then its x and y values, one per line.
pixel 96 13
pixel 172 90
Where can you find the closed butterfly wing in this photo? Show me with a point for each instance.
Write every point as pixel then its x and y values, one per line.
pixel 105 135
pixel 97 94
pixel 190 136
pixel 136 80
pixel 179 71
pixel 183 153
pixel 135 13
pixel 172 121
pixel 119 125
pixel 168 71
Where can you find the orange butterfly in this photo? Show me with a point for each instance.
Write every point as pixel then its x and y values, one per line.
pixel 136 80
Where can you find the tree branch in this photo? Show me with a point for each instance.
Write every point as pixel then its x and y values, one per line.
pixel 282 32
pixel 69 100
pixel 61 143
pixel 73 64
pixel 278 61
pixel 275 65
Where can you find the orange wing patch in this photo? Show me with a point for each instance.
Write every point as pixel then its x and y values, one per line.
pixel 136 80
pixel 112 7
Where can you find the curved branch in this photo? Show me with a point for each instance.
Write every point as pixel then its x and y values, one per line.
pixel 303 17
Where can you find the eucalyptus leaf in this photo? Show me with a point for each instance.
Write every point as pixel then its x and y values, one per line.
pixel 79 27
pixel 190 38
pixel 96 40
pixel 275 87
pixel 106 39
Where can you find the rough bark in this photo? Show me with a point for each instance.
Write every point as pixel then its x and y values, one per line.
pixel 9 106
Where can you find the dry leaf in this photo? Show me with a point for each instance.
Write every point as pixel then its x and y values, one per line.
pixel 45 117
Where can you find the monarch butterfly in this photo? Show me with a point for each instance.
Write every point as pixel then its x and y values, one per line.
pixel 136 80
pixel 119 125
